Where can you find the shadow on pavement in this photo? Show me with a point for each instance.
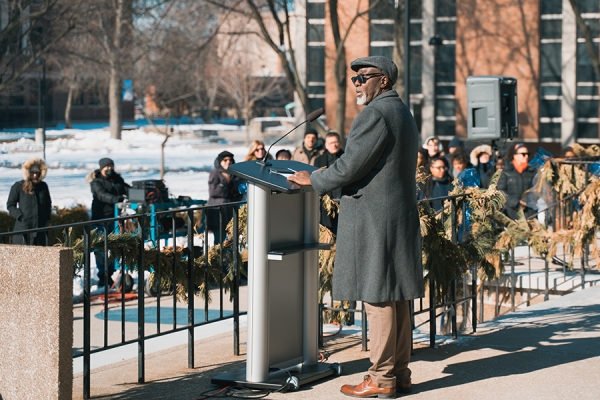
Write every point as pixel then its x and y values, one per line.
pixel 536 341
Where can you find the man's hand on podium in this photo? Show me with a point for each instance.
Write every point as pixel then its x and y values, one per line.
pixel 302 178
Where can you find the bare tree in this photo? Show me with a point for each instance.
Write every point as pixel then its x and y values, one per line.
pixel 77 69
pixel 237 80
pixel 30 30
pixel 340 62
pixel 271 21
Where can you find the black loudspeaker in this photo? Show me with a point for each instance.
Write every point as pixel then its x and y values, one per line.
pixel 148 192
pixel 491 107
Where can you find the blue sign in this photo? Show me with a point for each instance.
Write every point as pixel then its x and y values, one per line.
pixel 127 90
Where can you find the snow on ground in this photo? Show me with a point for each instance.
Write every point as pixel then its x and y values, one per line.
pixel 72 153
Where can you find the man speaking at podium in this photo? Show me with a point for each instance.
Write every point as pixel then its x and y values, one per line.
pixel 378 257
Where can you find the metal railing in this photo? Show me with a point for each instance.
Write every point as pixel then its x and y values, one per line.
pixel 123 298
pixel 557 216
pixel 448 306
pixel 434 309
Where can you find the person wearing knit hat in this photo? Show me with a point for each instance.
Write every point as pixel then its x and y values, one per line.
pixel 108 188
pixel 378 254
pixel 29 203
pixel 222 188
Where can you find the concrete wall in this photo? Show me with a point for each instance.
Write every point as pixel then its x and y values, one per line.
pixel 36 322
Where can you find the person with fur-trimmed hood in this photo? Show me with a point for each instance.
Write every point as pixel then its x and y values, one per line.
pixel 30 204
pixel 108 188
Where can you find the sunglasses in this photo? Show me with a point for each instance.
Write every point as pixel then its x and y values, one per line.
pixel 363 78
pixel 523 154
pixel 260 149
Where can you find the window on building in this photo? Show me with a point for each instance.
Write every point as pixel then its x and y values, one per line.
pixel 17 96
pixel 315 9
pixel 593 25
pixel 550 130
pixel 445 69
pixel 315 53
pixel 588 6
pixel 550 66
pixel 381 28
pixel 551 6
pixel 316 33
pixel 551 29
pixel 587 94
pixel 316 64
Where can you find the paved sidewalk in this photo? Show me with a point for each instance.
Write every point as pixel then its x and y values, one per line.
pixel 547 351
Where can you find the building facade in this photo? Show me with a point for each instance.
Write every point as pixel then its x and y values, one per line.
pixel 536 42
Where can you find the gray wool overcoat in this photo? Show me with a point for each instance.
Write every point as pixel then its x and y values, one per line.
pixel 378 256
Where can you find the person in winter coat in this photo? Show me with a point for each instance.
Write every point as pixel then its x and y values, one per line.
pixel 331 154
pixel 438 184
pixel 108 188
pixel 481 158
pixel 222 188
pixel 515 180
pixel 378 256
pixel 309 151
pixel 30 204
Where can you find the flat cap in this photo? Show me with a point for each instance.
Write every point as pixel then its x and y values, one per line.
pixel 384 64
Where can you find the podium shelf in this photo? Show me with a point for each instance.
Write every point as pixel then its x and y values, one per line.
pixel 278 252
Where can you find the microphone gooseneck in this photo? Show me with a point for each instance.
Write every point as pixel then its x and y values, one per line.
pixel 309 118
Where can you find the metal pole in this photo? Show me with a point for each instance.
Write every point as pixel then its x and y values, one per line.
pixel 546 294
pixel 474 301
pixel 364 328
pixel 529 277
pixel 157 282
pixel 86 312
pixel 174 276
pixel 106 269
pixel 44 105
pixel 512 279
pixel 432 317
pixel 141 320
pixel 236 286
pixel 190 225
pixel 407 52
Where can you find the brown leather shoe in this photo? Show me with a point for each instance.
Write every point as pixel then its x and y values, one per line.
pixel 403 385
pixel 368 389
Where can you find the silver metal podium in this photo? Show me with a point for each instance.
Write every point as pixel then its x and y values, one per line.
pixel 283 244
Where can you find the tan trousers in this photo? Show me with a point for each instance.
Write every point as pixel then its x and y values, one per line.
pixel 390 333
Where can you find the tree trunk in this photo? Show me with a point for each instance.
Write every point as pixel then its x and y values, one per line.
pixel 68 124
pixel 340 108
pixel 162 148
pixel 114 103
pixel 246 114
pixel 340 72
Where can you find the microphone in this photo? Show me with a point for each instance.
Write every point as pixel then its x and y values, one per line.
pixel 309 118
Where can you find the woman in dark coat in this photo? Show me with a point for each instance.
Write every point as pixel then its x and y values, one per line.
pixel 515 180
pixel 222 188
pixel 438 184
pixel 30 204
